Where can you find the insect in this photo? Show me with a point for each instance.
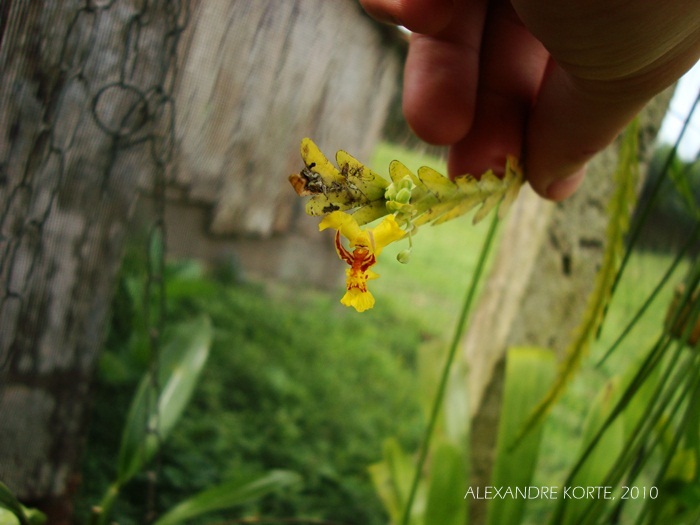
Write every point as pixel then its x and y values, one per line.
pixel 307 182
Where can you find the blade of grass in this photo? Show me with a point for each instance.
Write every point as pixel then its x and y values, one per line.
pixel 636 229
pixel 594 469
pixel 454 345
pixel 655 423
pixel 653 358
pixel 692 239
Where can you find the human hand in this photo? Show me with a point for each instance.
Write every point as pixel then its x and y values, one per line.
pixel 553 81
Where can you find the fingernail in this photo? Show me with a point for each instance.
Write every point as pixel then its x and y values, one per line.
pixel 563 188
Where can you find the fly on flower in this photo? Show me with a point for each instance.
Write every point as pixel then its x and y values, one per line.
pixel 366 245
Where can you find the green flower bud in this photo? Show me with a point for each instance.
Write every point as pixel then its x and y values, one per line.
pixel 405 184
pixel 393 206
pixel 403 196
pixel 404 256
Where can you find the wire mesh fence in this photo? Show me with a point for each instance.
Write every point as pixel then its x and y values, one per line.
pixel 88 119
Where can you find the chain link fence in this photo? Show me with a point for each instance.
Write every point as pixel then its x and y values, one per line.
pixel 88 119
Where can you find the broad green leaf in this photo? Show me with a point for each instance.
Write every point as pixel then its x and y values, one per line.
pixel 9 502
pixel 641 398
pixel 392 481
pixel 228 495
pixel 179 366
pixel 8 518
pixel 684 466
pixel 12 512
pixel 35 516
pixel 445 503
pixel 529 371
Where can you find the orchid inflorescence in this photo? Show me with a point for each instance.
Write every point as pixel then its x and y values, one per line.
pixel 352 195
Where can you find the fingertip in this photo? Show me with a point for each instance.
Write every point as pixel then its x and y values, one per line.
pixel 560 189
pixel 420 16
pixel 569 124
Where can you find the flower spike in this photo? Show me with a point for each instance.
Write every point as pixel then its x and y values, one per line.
pixel 352 195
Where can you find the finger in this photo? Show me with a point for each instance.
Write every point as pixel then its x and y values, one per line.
pixel 614 57
pixel 440 76
pixel 512 68
pixel 420 16
pixel 570 122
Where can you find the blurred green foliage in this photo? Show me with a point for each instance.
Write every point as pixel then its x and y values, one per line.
pixel 294 381
pixel 675 204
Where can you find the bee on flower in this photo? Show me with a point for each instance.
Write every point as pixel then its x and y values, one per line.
pixel 365 247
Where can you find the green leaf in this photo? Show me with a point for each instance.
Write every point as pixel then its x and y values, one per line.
pixel 445 503
pixel 392 479
pixel 228 495
pixel 529 371
pixel 12 512
pixel 8 518
pixel 680 177
pixel 9 502
pixel 180 364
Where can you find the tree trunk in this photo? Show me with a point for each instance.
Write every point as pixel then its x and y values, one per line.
pixel 86 113
pixel 536 292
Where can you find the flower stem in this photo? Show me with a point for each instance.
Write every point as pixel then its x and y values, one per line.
pixel 454 345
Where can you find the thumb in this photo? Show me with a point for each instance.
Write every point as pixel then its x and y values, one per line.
pixel 571 121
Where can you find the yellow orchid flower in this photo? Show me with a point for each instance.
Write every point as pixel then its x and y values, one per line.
pixel 366 246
